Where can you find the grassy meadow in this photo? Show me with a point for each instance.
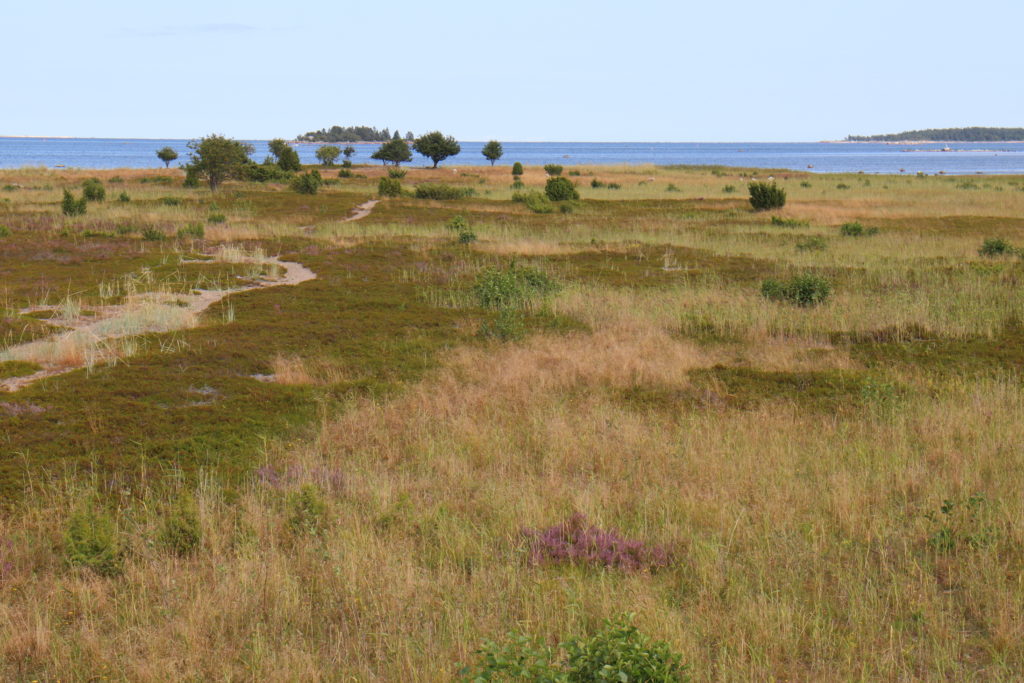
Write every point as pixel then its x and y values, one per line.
pixel 338 480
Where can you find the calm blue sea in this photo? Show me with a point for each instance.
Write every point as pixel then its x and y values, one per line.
pixel 819 157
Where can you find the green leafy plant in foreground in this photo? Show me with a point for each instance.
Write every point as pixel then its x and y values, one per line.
pixel 618 652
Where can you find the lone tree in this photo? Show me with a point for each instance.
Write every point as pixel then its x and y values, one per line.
pixel 287 157
pixel 394 151
pixel 492 151
pixel 328 154
pixel 167 155
pixel 436 146
pixel 348 151
pixel 217 158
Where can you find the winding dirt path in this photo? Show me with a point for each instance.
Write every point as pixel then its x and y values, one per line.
pixel 362 211
pixel 140 314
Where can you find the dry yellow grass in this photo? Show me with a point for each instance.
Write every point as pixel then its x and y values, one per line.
pixel 808 538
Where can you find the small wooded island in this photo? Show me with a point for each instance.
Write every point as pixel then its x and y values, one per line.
pixel 974 134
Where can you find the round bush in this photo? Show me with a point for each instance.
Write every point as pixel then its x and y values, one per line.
pixel 560 189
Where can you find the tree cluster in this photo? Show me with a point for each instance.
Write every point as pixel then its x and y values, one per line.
pixel 352 134
pixel 973 134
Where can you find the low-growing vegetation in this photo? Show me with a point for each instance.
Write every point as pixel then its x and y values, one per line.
pixel 652 433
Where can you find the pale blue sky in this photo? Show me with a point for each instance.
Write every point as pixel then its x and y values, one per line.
pixel 771 70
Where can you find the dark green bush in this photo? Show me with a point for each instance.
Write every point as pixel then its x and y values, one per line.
pixel 789 222
pixel 93 190
pixel 729 189
pixel 856 230
pixel 70 206
pixel 124 229
pixel 90 541
pixel 553 169
pixel 389 187
pixel 672 188
pixel 802 290
pixel 192 231
pixel 307 183
pixel 518 184
pixel 396 172
pixel 216 218
pixel 842 186
pixel 123 198
pixel 805 184
pixel 180 532
pixel 170 201
pixel 442 191
pixel 765 196
pixel 467 236
pixel 5 231
pixel 152 234
pixel 595 183
pixel 560 189
pixel 995 246
pixel 517 168
pixel 345 173
pixel 614 186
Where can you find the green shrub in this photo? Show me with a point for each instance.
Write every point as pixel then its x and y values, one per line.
pixel 93 190
pixel 5 231
pixel 595 183
pixel 574 172
pixel 442 192
pixel 307 183
pixel 803 290
pixel 180 531
pixel 856 230
pixel 307 511
pixel 216 218
pixel 396 172
pixel 90 541
pixel 457 224
pixel 389 187
pixel 152 234
pixel 124 229
pixel 192 177
pixel 534 201
pixel 265 173
pixel 805 184
pixel 345 173
pixel 508 325
pixel 812 244
pixel 672 188
pixel 116 180
pixel 618 652
pixel 995 246
pixel 842 186
pixel 123 197
pixel 192 231
pixel 614 186
pixel 170 201
pixel 765 196
pixel 518 184
pixel 553 169
pixel 517 169
pixel 560 189
pixel 467 236
pixel 70 206
pixel 729 189
pixel 511 287
pixel 566 207
pixel 789 222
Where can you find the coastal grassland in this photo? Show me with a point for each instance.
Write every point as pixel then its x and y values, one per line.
pixel 332 480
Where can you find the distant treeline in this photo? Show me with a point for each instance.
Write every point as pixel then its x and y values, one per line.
pixel 351 134
pixel 975 134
